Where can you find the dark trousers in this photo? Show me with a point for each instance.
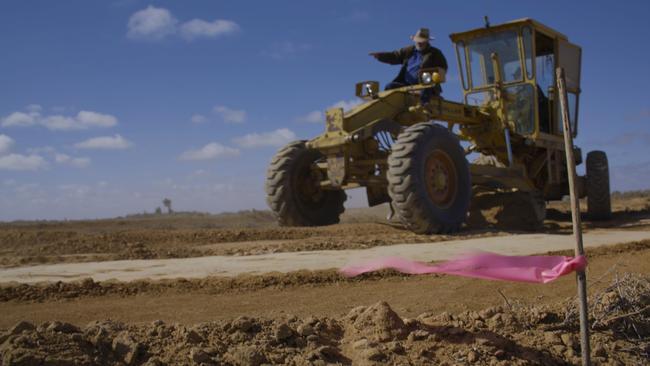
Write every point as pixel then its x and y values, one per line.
pixel 426 95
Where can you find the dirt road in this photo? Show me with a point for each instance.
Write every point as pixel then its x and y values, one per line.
pixel 324 294
pixel 221 313
pixel 199 267
pixel 255 232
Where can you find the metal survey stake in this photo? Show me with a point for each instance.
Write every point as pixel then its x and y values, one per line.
pixel 575 214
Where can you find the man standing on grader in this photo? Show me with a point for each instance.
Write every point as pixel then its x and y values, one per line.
pixel 414 59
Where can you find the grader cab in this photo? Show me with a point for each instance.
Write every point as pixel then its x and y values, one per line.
pixel 410 154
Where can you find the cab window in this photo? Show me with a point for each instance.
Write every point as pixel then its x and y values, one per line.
pixel 505 45
pixel 527 38
pixel 545 72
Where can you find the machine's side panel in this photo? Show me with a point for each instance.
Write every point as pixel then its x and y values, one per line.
pixel 569 58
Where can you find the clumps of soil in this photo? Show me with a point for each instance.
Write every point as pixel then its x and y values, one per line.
pixel 377 323
pixel 504 210
pixel 374 335
pixel 242 341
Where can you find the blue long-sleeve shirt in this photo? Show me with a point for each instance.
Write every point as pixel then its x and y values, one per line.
pixel 412 67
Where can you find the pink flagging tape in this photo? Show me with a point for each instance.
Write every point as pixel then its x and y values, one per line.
pixel 490 266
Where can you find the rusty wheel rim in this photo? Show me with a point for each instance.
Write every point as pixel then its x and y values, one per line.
pixel 440 178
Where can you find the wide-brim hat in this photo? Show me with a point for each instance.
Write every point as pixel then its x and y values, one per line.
pixel 422 35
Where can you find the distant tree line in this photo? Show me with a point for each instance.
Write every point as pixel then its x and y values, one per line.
pixel 168 204
pixel 631 194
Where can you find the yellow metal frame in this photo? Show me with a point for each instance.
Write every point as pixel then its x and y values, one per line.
pixel 353 158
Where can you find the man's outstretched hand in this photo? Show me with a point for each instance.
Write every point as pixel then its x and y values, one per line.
pixel 374 54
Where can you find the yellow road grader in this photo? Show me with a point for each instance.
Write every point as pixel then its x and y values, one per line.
pixel 410 154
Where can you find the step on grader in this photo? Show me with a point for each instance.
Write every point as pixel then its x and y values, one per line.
pixel 410 154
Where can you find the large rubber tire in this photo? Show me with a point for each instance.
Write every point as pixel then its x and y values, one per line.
pixel 429 179
pixel 599 205
pixel 294 194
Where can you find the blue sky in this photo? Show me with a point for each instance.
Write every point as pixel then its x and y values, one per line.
pixel 106 107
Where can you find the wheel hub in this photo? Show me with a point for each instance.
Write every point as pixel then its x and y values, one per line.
pixel 440 178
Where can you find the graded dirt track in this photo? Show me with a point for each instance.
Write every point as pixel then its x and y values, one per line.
pixel 155 269
pixel 322 293
pixel 255 232
pixel 314 317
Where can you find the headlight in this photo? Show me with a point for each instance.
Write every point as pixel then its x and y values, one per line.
pixel 366 89
pixel 426 78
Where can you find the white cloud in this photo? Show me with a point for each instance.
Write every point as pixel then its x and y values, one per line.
pixel 75 162
pixel 21 162
pixel 346 104
pixel 319 116
pixel 275 138
pixel 59 123
pixel 59 158
pixel 115 142
pixel 231 115
pixel 210 151
pixel 197 28
pixel 155 24
pixel 151 24
pixel 19 119
pixel 6 143
pixel 94 119
pixel 312 117
pixel 83 120
pixel 198 119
